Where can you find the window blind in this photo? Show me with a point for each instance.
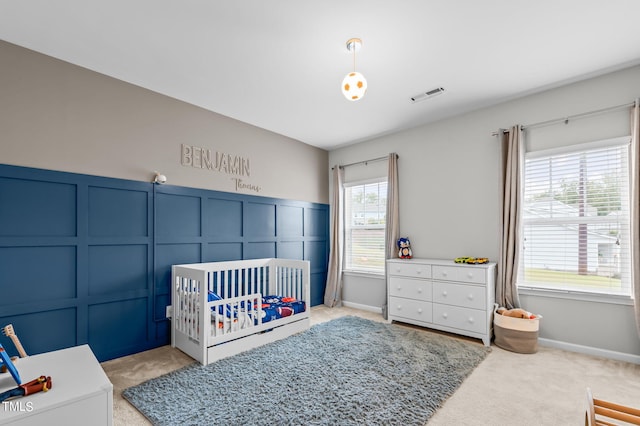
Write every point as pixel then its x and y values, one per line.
pixel 365 219
pixel 575 220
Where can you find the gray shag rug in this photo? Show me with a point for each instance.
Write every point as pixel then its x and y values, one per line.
pixel 348 371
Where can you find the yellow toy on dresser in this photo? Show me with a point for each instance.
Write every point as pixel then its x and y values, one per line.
pixel 472 260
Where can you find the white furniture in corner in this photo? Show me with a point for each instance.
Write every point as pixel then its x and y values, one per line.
pixel 442 295
pixel 80 394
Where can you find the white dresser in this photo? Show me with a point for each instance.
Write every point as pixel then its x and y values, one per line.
pixel 442 295
pixel 81 393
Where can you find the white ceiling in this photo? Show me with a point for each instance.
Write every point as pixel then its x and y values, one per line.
pixel 279 64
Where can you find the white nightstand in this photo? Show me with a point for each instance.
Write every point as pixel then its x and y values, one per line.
pixel 81 393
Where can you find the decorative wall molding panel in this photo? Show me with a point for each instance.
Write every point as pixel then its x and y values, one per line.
pixel 86 259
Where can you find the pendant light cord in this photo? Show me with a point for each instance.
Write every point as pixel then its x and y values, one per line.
pixel 354 56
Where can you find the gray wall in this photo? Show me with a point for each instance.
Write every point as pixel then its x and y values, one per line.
pixel 449 200
pixel 58 116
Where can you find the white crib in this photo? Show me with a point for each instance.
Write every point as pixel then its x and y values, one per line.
pixel 208 329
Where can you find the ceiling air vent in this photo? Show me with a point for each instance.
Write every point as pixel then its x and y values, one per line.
pixel 427 95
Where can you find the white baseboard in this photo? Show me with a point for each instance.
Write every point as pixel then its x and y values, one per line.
pixel 588 350
pixel 367 308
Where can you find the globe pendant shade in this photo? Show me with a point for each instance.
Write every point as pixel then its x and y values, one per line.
pixel 354 86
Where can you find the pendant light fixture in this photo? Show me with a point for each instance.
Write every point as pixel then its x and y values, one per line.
pixel 354 84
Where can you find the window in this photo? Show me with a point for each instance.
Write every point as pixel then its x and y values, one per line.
pixel 365 211
pixel 575 219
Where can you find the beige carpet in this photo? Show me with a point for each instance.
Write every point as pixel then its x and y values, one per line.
pixel 546 388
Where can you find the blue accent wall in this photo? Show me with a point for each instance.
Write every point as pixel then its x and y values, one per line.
pixel 85 259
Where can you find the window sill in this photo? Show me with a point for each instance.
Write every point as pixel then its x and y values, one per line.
pixel 375 275
pixel 576 295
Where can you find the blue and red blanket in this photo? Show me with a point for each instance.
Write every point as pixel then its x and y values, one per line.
pixel 273 307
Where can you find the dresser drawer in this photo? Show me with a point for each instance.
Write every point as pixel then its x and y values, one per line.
pixel 461 318
pixel 408 269
pixel 410 309
pixel 410 288
pixel 468 274
pixel 469 296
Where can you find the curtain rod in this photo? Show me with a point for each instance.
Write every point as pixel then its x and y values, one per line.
pixel 365 161
pixel 570 117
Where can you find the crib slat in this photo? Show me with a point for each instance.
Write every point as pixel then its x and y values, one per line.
pixel 283 280
pixel 294 289
pixel 232 283
pixel 294 283
pixel 292 272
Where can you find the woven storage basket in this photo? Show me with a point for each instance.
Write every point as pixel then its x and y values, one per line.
pixel 516 334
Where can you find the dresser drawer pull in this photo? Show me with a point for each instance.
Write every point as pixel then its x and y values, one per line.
pixel 445 315
pixel 470 297
pixel 471 320
pixel 399 287
pixel 399 307
pixel 419 310
pixel 444 293
pixel 419 271
pixel 420 290
pixel 470 275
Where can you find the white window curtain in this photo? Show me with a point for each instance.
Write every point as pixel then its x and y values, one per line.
pixel 393 216
pixel 512 156
pixel 333 290
pixel 635 209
